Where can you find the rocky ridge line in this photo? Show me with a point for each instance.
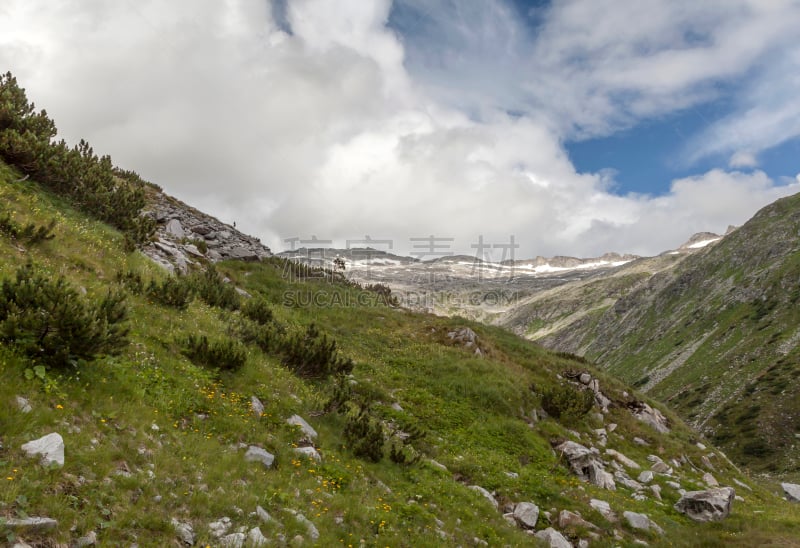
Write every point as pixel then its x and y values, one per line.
pixel 185 237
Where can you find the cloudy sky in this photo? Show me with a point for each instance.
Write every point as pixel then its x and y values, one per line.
pixel 577 126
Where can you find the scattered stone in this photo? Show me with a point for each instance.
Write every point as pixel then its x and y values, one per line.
pixel 585 378
pixel 526 514
pixel 568 519
pixel 312 530
pixel 707 463
pixel 437 465
pixel 792 491
pixel 674 484
pixel 263 515
pixel 622 459
pixel 641 522
pixel 640 441
pixel 509 517
pixel 742 484
pixel 256 406
pixel 709 505
pixel 220 527
pixel 256 538
pixel 184 532
pixel 553 538
pixel 305 428
pixel 234 540
pixel 87 540
pixel 31 525
pixel 175 229
pixel 396 406
pixel 257 454
pixel 611 427
pixel 585 464
pixel 625 480
pixel 50 447
pixel 700 446
pixel 604 508
pixel 710 480
pixel 646 476
pixel 661 467
pixel 486 494
pixel 309 453
pixel 23 405
pixel 656 489
pixel 649 415
pixel 464 335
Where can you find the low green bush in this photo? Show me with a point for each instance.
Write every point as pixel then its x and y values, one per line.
pixel 52 323
pixel 567 403
pixel 223 354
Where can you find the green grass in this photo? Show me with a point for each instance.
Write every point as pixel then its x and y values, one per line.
pixel 150 436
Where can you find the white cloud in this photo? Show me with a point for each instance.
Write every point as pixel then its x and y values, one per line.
pixel 743 158
pixel 323 130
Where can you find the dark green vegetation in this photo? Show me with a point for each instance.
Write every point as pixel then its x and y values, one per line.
pixel 716 337
pixel 154 421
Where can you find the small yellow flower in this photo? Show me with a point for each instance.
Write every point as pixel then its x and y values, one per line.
pixel 59 406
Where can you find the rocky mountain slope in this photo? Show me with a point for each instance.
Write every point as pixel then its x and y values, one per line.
pixel 715 335
pixel 204 426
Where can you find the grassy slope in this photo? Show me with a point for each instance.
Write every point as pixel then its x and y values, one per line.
pixel 149 436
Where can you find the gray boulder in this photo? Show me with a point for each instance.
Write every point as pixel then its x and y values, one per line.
pixel 586 465
pixel 257 454
pixel 553 538
pixel 184 532
pixel 256 538
pixel 309 453
pixel 708 505
pixel 174 228
pixel 23 405
pixel 792 491
pixel 526 514
pixel 50 447
pixel 256 406
pixel 641 522
pixel 308 431
pixel 486 494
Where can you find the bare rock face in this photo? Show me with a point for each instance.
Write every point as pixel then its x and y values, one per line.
pixel 709 505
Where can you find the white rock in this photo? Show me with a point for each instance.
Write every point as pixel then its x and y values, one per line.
pixel 640 441
pixel 23 405
pixel 184 532
pixel 486 494
pixel 526 514
pixel 397 407
pixel 50 447
pixel 175 229
pixel 256 406
pixel 257 454
pixel 310 527
pixel 553 538
pixel 437 465
pixel 710 480
pixel 31 525
pixel 742 484
pixel 604 508
pixel 234 540
pixel 622 459
pixel 656 489
pixel 263 515
pixel 700 446
pixel 256 538
pixel 641 522
pixel 308 431
pixel 220 527
pixel 309 453
pixel 646 476
pixel 585 378
pixel 792 491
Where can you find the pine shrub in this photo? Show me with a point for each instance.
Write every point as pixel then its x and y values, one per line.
pixel 175 291
pixel 364 434
pixel 30 233
pixel 313 356
pixel 258 310
pixel 567 403
pixel 53 324
pixel 223 354
pixel 214 291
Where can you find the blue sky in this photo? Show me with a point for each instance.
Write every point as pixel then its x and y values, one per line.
pixel 577 126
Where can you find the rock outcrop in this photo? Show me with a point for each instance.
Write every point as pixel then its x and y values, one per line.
pixel 185 236
pixel 586 465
